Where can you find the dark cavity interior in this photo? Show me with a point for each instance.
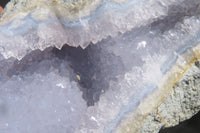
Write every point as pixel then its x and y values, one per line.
pixel 92 68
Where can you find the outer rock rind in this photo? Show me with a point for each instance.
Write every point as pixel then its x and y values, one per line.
pixel 136 118
pixel 182 103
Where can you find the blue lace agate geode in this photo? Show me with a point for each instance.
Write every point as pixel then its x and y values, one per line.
pixel 132 52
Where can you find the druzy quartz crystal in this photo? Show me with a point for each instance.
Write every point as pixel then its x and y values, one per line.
pixel 91 66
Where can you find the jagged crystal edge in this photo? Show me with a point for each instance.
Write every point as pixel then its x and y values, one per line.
pixel 25 34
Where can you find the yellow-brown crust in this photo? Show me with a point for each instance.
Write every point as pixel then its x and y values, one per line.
pixel 132 123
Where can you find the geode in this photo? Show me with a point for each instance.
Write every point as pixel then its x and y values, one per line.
pixel 94 66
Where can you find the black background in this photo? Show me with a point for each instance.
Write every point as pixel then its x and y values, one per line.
pixel 4 2
pixel 189 126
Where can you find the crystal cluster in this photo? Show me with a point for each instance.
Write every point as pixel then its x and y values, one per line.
pixel 123 52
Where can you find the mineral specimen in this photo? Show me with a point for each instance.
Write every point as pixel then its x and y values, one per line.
pixel 125 58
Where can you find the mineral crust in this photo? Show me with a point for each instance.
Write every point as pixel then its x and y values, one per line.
pixel 98 66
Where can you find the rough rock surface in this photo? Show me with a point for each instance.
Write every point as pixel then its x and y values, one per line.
pixel 182 103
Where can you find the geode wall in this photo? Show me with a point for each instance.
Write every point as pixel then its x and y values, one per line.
pixel 92 66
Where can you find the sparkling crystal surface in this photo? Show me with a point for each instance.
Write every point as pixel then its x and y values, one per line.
pixel 122 51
